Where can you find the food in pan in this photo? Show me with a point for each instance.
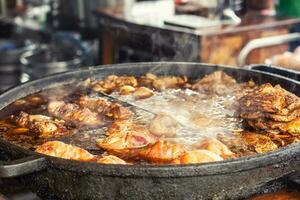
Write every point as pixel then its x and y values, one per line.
pixel 154 119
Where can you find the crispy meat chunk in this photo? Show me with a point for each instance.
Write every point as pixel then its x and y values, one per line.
pixel 102 106
pixel 218 82
pixel 126 139
pixel 142 93
pixel 73 113
pixel 197 156
pixel 164 125
pixel 162 82
pixel 110 159
pixel 112 83
pixel 260 142
pixel 162 152
pixel 268 99
pixel 126 89
pixel 292 127
pixel 41 125
pixel 62 150
pixel 215 146
pixel 166 82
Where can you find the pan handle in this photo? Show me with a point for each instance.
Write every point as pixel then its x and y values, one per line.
pixel 284 72
pixel 22 166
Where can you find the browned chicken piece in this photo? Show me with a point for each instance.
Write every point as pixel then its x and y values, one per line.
pixel 126 139
pixel 119 112
pixel 73 113
pixel 30 101
pixel 110 159
pixel 197 156
pixel 126 90
pixel 268 99
pixel 260 142
pixel 41 125
pixel 292 127
pixel 164 125
pixel 142 93
pixel 162 152
pixel 66 151
pixel 283 139
pixel 166 82
pixel 104 107
pixel 147 80
pixel 99 105
pixel 284 118
pixel 113 82
pixel 236 144
pixel 217 82
pixel 215 146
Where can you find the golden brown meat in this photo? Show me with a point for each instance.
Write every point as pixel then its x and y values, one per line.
pixel 217 82
pixel 271 109
pixel 41 125
pixel 162 152
pixel 292 127
pixel 215 146
pixel 104 107
pixel 142 93
pixel 66 151
pixel 126 90
pixel 112 83
pixel 110 159
pixel 197 156
pixel 166 82
pixel 126 139
pixel 73 113
pixel 164 125
pixel 260 142
pixel 267 99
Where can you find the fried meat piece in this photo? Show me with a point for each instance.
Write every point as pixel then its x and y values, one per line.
pixel 217 82
pixel 142 93
pixel 126 89
pixel 271 109
pixel 102 106
pixel 166 82
pixel 215 146
pixel 73 113
pixel 197 156
pixel 164 125
pixel 292 127
pixel 126 139
pixel 41 125
pixel 162 152
pixel 260 142
pixel 66 151
pixel 162 82
pixel 112 83
pixel 266 100
pixel 110 159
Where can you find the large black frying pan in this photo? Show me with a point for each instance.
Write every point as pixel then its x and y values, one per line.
pixel 230 179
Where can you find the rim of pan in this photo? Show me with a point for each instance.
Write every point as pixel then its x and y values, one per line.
pixel 282 155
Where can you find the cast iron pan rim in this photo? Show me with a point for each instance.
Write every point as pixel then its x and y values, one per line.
pixel 223 167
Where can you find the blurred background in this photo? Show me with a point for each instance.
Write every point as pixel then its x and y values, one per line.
pixel 41 37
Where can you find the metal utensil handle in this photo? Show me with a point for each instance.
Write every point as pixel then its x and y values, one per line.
pixel 22 166
pixel 265 42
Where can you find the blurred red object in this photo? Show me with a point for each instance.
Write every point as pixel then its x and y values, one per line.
pixel 179 2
